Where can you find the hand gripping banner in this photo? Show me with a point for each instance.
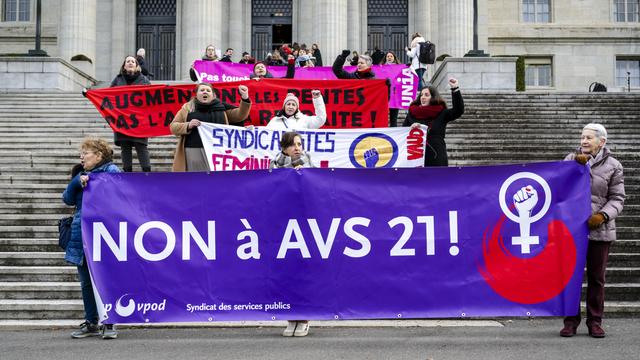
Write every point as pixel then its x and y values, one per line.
pixel 403 80
pixel 147 110
pixel 235 148
pixel 338 244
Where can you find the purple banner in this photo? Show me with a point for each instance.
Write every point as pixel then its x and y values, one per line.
pixel 404 81
pixel 338 244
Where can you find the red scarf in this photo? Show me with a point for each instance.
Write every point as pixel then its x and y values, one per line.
pixel 425 113
pixel 364 73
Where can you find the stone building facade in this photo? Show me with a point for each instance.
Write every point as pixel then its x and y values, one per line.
pixel 566 44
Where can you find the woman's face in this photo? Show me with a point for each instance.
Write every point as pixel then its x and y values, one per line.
pixel 260 70
pixel 295 150
pixel 204 94
pixel 302 52
pixel 362 64
pixel 89 158
pixel 130 64
pixel 425 97
pixel 290 107
pixel 390 58
pixel 590 143
pixel 210 52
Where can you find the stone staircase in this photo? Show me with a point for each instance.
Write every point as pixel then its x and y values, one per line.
pixel 42 132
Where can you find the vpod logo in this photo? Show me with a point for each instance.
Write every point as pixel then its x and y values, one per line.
pixel 125 309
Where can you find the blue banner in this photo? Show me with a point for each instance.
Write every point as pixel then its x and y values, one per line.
pixel 338 244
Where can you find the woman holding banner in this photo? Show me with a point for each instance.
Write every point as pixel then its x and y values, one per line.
pixel 607 199
pixel 430 109
pixel 291 118
pixel 131 74
pixel 391 59
pixel 293 156
pixel 209 55
pixel 203 107
pixel 260 70
pixel 95 157
pixel 363 67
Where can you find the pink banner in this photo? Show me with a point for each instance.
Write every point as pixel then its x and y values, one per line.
pixel 404 81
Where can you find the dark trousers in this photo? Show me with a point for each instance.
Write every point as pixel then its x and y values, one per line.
pixel 90 307
pixel 393 117
pixel 127 156
pixel 597 256
pixel 420 73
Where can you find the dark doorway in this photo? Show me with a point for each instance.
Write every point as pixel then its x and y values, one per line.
pixel 388 26
pixel 156 33
pixel 271 25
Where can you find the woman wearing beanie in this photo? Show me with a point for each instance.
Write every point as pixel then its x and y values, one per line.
pixel 260 70
pixel 290 118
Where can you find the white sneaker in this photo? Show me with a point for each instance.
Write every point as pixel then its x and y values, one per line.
pixel 302 329
pixel 291 328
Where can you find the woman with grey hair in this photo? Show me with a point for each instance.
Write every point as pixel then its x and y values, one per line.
pixel 607 199
pixel 363 69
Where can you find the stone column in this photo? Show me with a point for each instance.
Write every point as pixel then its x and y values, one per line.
pixel 199 28
pixel 455 26
pixel 77 33
pixel 236 29
pixel 305 22
pixel 355 23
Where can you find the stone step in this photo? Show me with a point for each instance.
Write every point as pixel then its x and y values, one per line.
pixel 40 290
pixel 38 274
pixel 41 309
pixel 32 259
pixel 29 245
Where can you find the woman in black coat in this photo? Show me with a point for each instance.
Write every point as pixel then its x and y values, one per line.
pixel 430 109
pixel 363 70
pixel 131 74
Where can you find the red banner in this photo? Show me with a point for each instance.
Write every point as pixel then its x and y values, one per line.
pixel 147 110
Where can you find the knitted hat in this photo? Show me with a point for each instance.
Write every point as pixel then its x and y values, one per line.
pixel 292 97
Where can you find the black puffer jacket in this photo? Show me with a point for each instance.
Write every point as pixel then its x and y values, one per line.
pixel 341 74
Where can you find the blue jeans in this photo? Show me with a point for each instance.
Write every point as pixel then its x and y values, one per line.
pixel 90 307
pixel 420 73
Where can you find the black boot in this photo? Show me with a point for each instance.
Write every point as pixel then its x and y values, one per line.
pixel 127 169
pixel 146 168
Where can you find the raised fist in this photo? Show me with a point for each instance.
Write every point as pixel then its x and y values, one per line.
pixel 453 83
pixel 316 93
pixel 371 157
pixel 525 199
pixel 345 53
pixel 244 92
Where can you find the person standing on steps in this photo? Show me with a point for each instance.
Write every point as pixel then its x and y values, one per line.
pixel 607 200
pixel 430 109
pixel 96 156
pixel 131 74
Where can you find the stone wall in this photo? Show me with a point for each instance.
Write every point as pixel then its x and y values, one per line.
pixel 42 73
pixel 477 73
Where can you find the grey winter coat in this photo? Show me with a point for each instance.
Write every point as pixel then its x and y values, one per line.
pixel 607 193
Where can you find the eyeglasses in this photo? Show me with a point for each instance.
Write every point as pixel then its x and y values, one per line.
pixel 85 153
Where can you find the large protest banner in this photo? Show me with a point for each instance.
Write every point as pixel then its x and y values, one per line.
pixel 234 148
pixel 403 80
pixel 147 110
pixel 338 244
